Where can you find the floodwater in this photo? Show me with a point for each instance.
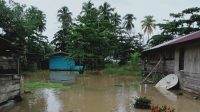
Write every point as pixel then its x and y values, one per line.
pixel 101 93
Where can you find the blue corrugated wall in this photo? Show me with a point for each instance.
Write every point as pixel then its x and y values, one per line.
pixel 61 63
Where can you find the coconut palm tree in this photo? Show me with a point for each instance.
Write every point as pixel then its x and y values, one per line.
pixel 148 25
pixel 64 16
pixel 106 10
pixel 116 19
pixel 128 23
pixel 87 7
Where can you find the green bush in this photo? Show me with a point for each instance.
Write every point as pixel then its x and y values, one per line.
pixel 135 58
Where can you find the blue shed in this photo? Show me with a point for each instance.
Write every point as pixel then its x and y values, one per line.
pixel 61 61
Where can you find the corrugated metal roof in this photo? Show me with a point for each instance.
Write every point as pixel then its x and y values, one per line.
pixel 186 38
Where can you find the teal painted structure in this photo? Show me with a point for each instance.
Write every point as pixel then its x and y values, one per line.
pixel 63 76
pixel 63 68
pixel 61 62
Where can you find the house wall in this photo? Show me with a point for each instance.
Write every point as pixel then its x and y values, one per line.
pixel 165 67
pixel 9 87
pixel 61 63
pixel 9 79
pixel 189 77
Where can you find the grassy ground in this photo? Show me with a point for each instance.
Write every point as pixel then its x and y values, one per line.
pixel 39 80
pixel 42 85
pixel 123 70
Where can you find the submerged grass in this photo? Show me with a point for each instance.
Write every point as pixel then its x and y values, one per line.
pixel 123 70
pixel 42 85
pixel 39 80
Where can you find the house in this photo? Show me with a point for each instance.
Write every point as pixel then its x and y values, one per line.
pixel 60 61
pixel 63 68
pixel 9 71
pixel 180 56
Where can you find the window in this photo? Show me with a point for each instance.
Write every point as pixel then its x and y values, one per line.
pixel 181 58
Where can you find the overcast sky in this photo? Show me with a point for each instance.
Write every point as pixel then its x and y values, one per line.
pixel 160 9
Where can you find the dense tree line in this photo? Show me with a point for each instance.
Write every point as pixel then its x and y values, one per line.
pixel 24 26
pixel 95 34
pixel 182 23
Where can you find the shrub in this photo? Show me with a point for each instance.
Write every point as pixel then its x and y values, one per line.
pixel 135 58
pixel 142 102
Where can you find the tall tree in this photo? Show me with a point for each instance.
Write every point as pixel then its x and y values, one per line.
pixel 87 7
pixel 106 11
pixel 182 23
pixel 148 25
pixel 128 23
pixel 24 26
pixel 62 37
pixel 65 17
pixel 116 19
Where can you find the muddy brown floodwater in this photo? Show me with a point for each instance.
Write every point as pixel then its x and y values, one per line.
pixel 101 93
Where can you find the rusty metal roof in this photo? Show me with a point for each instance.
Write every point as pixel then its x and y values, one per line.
pixel 190 37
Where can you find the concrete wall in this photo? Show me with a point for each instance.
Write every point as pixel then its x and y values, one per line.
pixel 9 79
pixel 9 87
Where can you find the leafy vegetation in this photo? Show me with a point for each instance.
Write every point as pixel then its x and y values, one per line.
pixel 142 102
pixel 132 68
pixel 118 70
pixel 146 103
pixel 23 26
pixel 148 25
pixel 96 33
pixel 163 108
pixel 182 23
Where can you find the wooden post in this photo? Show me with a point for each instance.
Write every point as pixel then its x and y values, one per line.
pixel 152 70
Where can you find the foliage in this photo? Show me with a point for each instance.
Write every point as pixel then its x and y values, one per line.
pixel 118 70
pixel 23 26
pixel 142 102
pixel 158 39
pixel 95 34
pixel 135 63
pixel 148 25
pixel 62 37
pixel 182 23
pixel 135 58
pixel 163 108
pixel 128 23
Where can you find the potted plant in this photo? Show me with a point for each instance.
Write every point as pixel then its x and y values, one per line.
pixel 142 103
pixel 164 108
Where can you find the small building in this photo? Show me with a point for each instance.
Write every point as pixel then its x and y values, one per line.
pixel 63 68
pixel 180 56
pixel 9 71
pixel 60 61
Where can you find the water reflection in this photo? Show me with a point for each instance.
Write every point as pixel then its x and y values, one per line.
pixel 100 93
pixel 53 102
pixel 63 76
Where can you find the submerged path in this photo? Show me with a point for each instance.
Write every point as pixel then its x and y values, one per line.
pixel 100 93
